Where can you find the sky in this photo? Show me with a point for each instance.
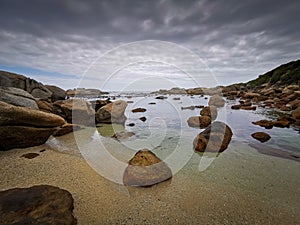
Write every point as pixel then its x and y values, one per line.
pixel 147 44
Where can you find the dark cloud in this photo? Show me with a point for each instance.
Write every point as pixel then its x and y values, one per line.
pixel 232 36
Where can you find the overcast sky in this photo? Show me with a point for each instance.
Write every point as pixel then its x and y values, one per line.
pixel 63 42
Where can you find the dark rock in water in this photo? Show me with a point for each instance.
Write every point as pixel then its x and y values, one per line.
pixel 143 119
pixel 261 136
pixel 17 97
pixel 30 155
pixel 112 113
pixel 210 111
pixel 214 138
pixel 129 102
pixel 264 123
pixel 161 97
pixel 122 135
pixel 192 107
pixel 216 100
pixel 139 110
pixel 57 93
pixel 248 107
pixel 152 103
pixel 76 111
pixel 176 99
pixel 199 121
pixel 235 107
pixel 36 205
pixel 131 124
pixel 146 169
pixel 65 129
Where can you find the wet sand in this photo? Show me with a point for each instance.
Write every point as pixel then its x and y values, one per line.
pixel 241 186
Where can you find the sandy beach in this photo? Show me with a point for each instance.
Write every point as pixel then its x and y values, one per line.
pixel 223 194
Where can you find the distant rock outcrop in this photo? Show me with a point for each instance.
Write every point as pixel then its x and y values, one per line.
pixel 35 205
pixel 36 89
pixel 81 92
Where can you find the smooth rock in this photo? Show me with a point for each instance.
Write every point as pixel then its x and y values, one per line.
pixel 210 111
pixel 37 205
pixel 264 123
pixel 216 100
pixel 16 115
pixel 139 110
pixel 214 138
pixel 65 129
pixel 199 121
pixel 261 136
pixel 77 111
pixel 296 113
pixel 112 113
pixel 17 97
pixel 45 106
pixel 57 93
pixel 146 169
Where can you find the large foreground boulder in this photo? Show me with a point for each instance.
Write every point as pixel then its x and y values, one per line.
pixel 22 127
pixel 76 111
pixel 37 205
pixel 18 97
pixel 112 113
pixel 214 138
pixel 146 169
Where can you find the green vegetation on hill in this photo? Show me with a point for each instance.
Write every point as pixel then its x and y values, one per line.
pixel 285 74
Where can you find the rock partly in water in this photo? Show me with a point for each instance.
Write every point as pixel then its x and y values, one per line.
pixel 261 136
pixel 264 123
pixel 112 113
pixel 216 100
pixel 146 169
pixel 37 205
pixel 17 97
pixel 210 111
pixel 143 118
pixel 235 107
pixel 77 111
pixel 139 110
pixel 123 135
pixel 30 155
pixel 199 121
pixel 214 138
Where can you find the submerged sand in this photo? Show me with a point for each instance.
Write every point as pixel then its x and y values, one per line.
pixel 240 187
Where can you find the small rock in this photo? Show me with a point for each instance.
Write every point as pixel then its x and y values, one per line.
pixel 210 111
pixel 216 100
pixel 143 119
pixel 199 121
pixel 235 107
pixel 261 136
pixel 122 135
pixel 139 110
pixel 30 155
pixel 146 169
pixel 161 97
pixel 264 123
pixel 131 124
